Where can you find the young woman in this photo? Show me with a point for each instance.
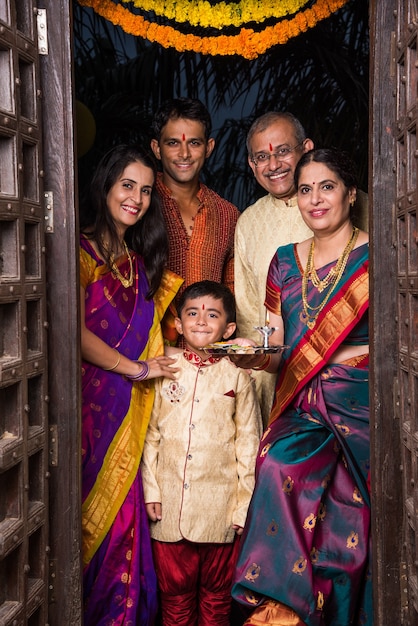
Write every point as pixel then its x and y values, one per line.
pixel 305 554
pixel 124 293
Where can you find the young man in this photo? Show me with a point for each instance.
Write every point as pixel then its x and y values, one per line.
pixel 198 464
pixel 200 223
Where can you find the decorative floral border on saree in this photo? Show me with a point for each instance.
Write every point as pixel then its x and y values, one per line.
pixel 317 345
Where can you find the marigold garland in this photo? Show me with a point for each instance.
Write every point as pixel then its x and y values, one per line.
pixel 222 14
pixel 248 43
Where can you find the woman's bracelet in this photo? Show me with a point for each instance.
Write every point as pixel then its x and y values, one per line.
pixel 143 373
pixel 109 369
pixel 264 363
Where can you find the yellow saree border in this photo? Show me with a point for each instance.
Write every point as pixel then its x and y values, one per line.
pixel 325 338
pixel 118 472
pixel 121 463
pixel 170 284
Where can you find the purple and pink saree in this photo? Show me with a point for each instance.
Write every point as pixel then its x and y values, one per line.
pixel 118 577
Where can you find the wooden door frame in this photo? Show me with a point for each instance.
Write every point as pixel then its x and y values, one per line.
pixel 62 272
pixel 387 506
pixel 63 299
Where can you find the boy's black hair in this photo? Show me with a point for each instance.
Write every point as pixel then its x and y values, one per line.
pixel 209 288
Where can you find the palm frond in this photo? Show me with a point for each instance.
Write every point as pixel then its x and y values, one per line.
pixel 321 77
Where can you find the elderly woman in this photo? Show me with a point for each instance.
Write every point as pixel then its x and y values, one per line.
pixel 305 554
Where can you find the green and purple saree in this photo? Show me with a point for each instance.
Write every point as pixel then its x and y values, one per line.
pixel 306 543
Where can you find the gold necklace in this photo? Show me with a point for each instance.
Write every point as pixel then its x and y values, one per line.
pixel 335 269
pixel 126 282
pixel 310 313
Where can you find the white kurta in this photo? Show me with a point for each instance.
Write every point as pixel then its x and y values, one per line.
pixel 261 229
pixel 200 451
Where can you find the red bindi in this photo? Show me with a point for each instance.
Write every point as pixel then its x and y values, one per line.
pixel 271 147
pixel 203 307
pixel 184 137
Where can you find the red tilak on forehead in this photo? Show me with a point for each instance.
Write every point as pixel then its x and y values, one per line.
pixel 203 307
pixel 184 137
pixel 271 147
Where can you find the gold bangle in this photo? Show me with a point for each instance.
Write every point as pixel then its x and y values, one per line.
pixel 264 363
pixel 109 369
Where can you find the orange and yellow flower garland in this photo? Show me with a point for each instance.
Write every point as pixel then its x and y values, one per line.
pixel 247 43
pixel 222 14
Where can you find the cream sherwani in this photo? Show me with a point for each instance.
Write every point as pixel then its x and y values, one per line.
pixel 200 451
pixel 261 229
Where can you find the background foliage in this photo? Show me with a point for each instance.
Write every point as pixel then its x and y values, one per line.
pixel 320 76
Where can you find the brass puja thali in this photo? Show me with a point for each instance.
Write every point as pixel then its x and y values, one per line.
pixel 225 348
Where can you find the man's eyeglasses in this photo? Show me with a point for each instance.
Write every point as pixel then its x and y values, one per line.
pixel 282 154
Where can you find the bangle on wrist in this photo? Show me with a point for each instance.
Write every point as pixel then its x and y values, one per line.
pixel 109 369
pixel 143 372
pixel 264 363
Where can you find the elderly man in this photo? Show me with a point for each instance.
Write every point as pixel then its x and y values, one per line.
pixel 275 143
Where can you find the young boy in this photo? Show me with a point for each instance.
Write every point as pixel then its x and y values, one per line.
pixel 198 464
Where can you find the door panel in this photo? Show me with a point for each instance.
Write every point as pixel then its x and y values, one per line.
pixel 39 328
pixel 23 327
pixel 64 361
pixel 407 291
pixel 394 320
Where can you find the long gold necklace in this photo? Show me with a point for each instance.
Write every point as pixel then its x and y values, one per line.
pixel 126 282
pixel 310 313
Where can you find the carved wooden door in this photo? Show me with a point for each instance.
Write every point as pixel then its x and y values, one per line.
pixel 23 327
pixel 39 356
pixel 406 233
pixel 394 375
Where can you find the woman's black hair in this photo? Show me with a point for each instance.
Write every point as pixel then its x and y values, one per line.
pixel 338 162
pixel 149 236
